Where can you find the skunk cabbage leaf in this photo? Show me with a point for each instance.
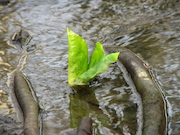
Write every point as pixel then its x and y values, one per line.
pixel 97 55
pixel 80 72
pixel 77 56
pixel 100 67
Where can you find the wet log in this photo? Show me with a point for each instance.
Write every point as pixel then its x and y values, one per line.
pixel 153 102
pixel 85 126
pixel 27 104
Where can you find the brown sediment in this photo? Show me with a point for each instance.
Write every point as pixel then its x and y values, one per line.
pixel 27 103
pixel 153 102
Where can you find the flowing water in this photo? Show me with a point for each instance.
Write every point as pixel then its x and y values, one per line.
pixel 149 28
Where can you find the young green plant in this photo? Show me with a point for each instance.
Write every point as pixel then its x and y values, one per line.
pixel 80 70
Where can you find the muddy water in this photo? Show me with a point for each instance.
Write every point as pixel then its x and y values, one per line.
pixel 150 29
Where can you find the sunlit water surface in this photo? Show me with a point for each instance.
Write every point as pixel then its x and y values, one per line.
pixel 149 28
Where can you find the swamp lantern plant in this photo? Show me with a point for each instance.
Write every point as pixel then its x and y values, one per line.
pixel 82 70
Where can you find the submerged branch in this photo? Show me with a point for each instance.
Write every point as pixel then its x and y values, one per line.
pixel 27 103
pixel 153 102
pixel 85 126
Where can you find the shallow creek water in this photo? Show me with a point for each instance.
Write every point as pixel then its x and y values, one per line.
pixel 149 28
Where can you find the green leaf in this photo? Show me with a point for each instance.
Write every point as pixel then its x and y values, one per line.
pixel 77 56
pixel 97 55
pixel 97 69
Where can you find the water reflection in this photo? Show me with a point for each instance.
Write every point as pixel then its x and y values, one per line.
pixel 82 104
pixel 150 28
pixel 111 112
